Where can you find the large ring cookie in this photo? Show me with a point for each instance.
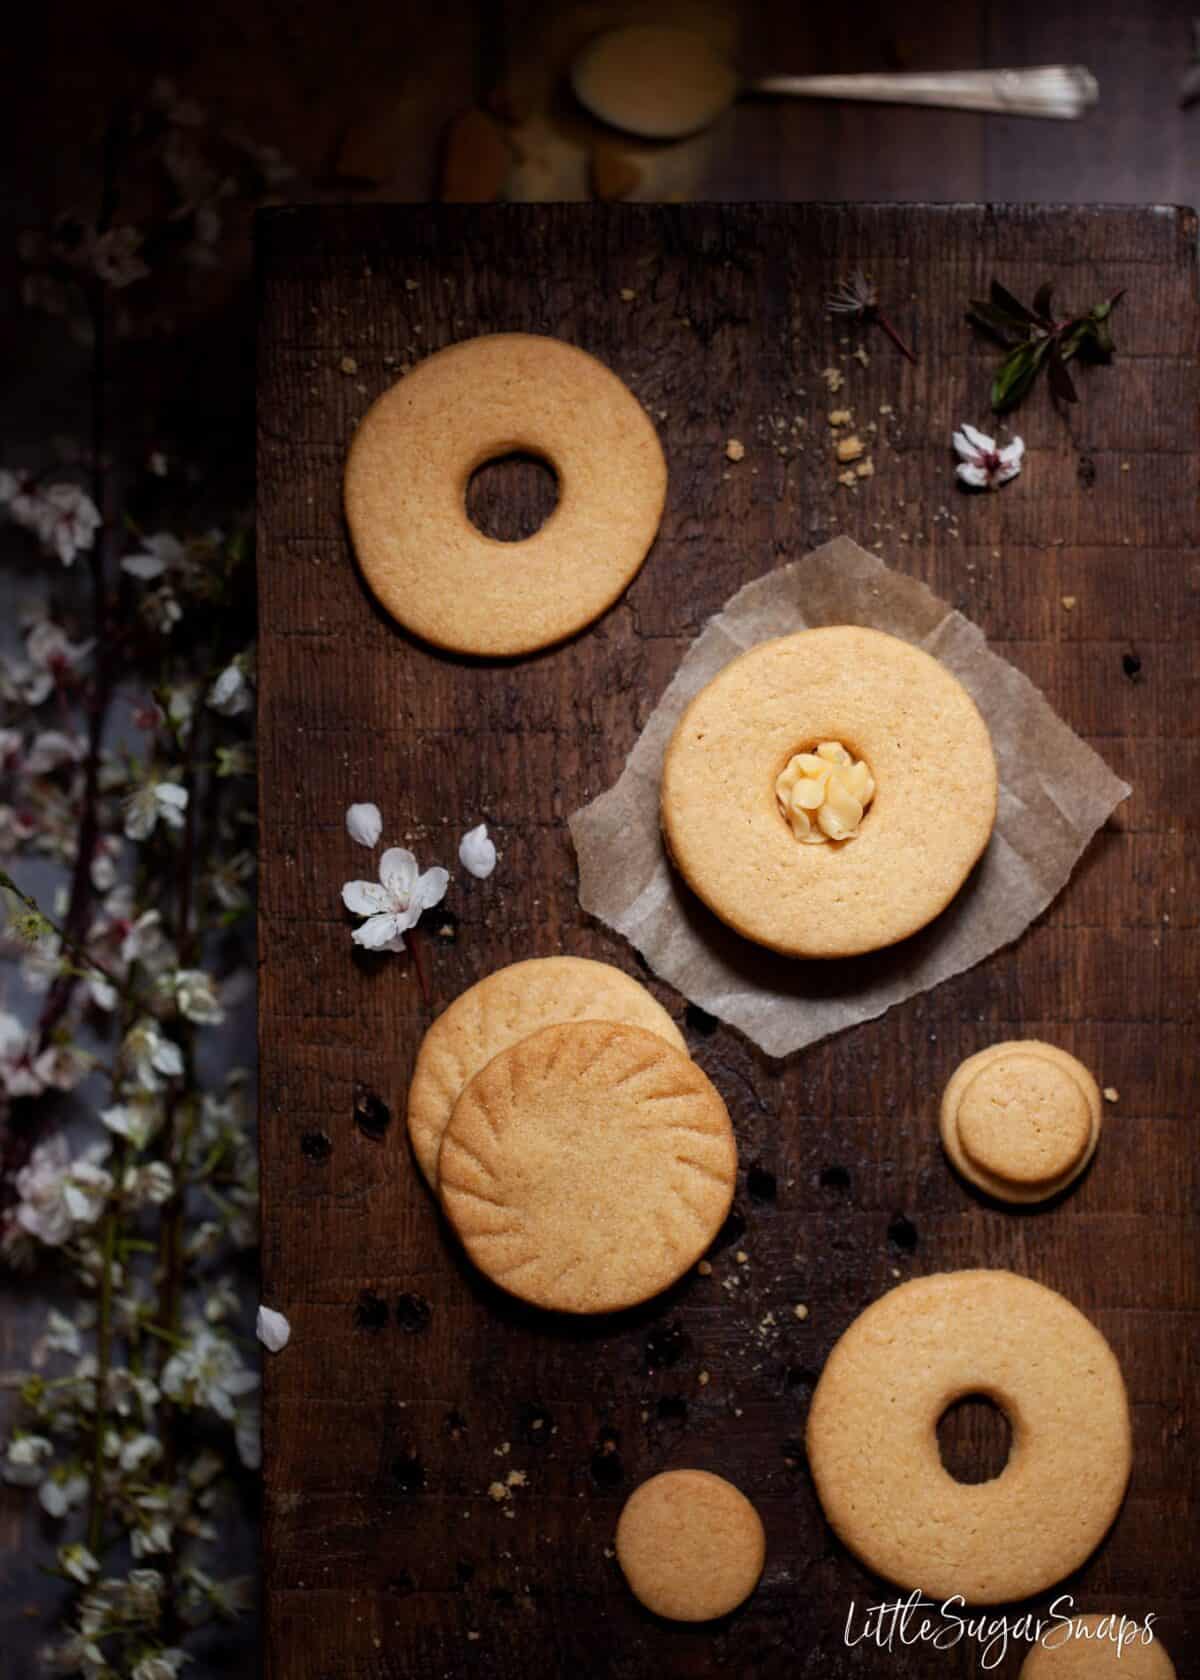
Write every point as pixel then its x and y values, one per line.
pixel 1021 1120
pixel 873 1446
pixel 505 1007
pixel 891 705
pixel 411 461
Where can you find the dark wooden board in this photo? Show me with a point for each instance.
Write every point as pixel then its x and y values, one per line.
pixel 387 1415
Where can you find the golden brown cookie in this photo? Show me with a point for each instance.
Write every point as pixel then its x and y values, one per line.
pixel 918 818
pixel 506 1006
pixel 1107 1647
pixel 873 1445
pixel 1021 1119
pixel 588 1166
pixel 690 1545
pixel 411 461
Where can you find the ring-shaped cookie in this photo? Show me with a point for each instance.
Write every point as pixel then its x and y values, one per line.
pixel 889 703
pixel 410 464
pixel 873 1445
pixel 993 1182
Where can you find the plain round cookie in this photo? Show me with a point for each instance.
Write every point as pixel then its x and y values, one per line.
pixel 406 483
pixel 587 1167
pixel 873 1446
pixel 925 744
pixel 690 1545
pixel 1097 1658
pixel 507 1006
pixel 999 1152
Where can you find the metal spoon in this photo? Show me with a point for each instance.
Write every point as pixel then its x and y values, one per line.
pixel 661 83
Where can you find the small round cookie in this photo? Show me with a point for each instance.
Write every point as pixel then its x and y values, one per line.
pixel 411 461
pixel 913 812
pixel 504 1007
pixel 690 1545
pixel 587 1167
pixel 1107 1647
pixel 873 1444
pixel 1021 1119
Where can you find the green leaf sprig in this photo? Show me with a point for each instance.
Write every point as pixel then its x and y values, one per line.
pixel 1036 339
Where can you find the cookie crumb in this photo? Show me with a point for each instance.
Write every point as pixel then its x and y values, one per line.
pixel 861 355
pixel 850 448
pixel 1111 1094
pixel 349 365
pixel 849 478
pixel 800 1310
pixel 704 1267
pixel 741 1257
pixel 840 417
pixel 516 1478
pixel 498 1493
pixel 472 1634
pixel 703 1379
pixel 865 469
pixel 503 1450
pixel 833 378
pixel 1068 602
pixel 627 294
pixel 1125 466
pixel 410 285
pixel 735 450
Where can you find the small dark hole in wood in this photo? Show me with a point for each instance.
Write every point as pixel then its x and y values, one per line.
pixel 974 1439
pixel 799 1377
pixel 464 1572
pixel 371 1312
pixel 672 1408
pixel 666 1345
pixel 401 1584
pixel 835 1178
pixel 408 1473
pixel 1131 664
pixel 902 1233
pixel 502 1598
pixel 413 1313
pixel 1086 472
pixel 607 1469
pixel 699 1021
pixel 455 1425
pixel 443 925
pixel 793 1452
pixel 761 1184
pixel 536 1425
pixel 316 1146
pixel 510 497
pixel 371 1114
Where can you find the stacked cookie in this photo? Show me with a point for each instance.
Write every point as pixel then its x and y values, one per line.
pixel 582 1157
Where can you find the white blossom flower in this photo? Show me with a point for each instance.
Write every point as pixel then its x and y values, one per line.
pixel 63 1489
pixel 272 1329
pixel 364 823
pixel 162 1665
pixel 76 1561
pixel 62 1066
pixel 63 517
pixel 52 749
pixel 12 745
pixel 158 554
pixel 194 994
pixel 115 257
pixel 148 1056
pixel 152 803
pixel 25 1457
pixel 138 1119
pixel 395 903
pixel 150 1185
pixel 208 1371
pixel 161 609
pixel 232 692
pixel 477 853
pixel 983 464
pixel 62 1334
pixel 58 1194
pixel 139 1451
pixel 51 658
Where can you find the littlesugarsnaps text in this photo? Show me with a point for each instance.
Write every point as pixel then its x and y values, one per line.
pixel 916 1620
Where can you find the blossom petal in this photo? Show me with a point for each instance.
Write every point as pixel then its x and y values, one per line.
pixel 1005 472
pixel 398 871
pixel 366 898
pixel 429 889
pixel 381 933
pixel 1012 453
pixel 144 566
pixel 272 1330
pixel 477 853
pixel 977 440
pixel 976 477
pixel 364 823
pixel 170 794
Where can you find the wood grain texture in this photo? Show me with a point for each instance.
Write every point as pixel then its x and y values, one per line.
pixel 387 1416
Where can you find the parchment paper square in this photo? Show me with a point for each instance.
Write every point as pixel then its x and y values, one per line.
pixel 1055 792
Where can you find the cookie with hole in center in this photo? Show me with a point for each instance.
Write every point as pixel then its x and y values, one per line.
pixel 828 793
pixel 690 1545
pixel 411 461
pixel 504 1007
pixel 873 1443
pixel 1021 1120
pixel 587 1167
pixel 1112 1646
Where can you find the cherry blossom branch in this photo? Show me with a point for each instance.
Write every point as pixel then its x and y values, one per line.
pixel 84 958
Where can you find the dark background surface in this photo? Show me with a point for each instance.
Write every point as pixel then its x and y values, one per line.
pixel 358 97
